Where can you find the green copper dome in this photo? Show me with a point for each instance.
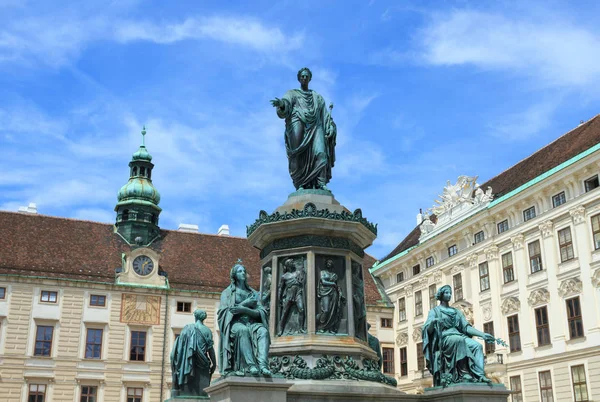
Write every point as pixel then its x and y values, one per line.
pixel 142 153
pixel 139 188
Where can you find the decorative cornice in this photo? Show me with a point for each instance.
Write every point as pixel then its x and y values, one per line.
pixel 569 287
pixel 401 338
pixel 517 241
pixel 312 240
pixel 538 296
pixel 510 305
pixel 578 214
pixel 546 228
pixel 457 268
pixel 310 211
pixel 491 253
pixel 409 289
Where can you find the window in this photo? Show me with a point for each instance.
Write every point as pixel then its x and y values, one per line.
pixel 43 340
pixel 418 303
pixel 401 309
pixel 135 394
pixel 429 262
pixel 484 276
pixel 514 336
pixel 541 326
pixel 138 346
pixel 400 277
pixel 432 300
pixel 403 362
pixel 420 357
pixel 142 171
pixel 596 231
pixel 416 269
pixel 386 323
pixel 88 394
pixel 2 293
pixel 388 360
pixel 503 226
pixel 452 250
pixel 565 243
pixel 488 328
pixel 134 171
pixel 558 199
pixel 98 300
pixel 48 296
pixel 457 281
pixel 574 318
pixel 507 268
pixel 535 256
pixel 125 215
pixel 479 237
pixel 37 393
pixel 515 387
pixel 591 183
pixel 546 386
pixel 528 214
pixel 184 307
pixel 93 344
pixel 579 384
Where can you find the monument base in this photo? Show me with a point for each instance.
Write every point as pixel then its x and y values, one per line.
pixel 344 390
pixel 468 392
pixel 188 399
pixel 235 389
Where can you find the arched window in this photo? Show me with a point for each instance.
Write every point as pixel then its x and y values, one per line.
pixel 125 215
pixel 142 171
pixel 149 173
pixel 134 171
pixel 153 219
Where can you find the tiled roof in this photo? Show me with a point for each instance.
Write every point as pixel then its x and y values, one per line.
pixel 561 150
pixel 39 245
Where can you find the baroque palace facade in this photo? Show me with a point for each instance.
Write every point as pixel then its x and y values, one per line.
pixel 522 253
pixel 90 311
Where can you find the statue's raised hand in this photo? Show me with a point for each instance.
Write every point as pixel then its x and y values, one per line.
pixel 276 102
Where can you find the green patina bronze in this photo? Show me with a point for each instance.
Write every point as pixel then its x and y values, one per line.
pixel 358 300
pixel 376 346
pixel 310 134
pixel 330 299
pixel 193 359
pixel 329 368
pixel 291 288
pixel 310 211
pixel 243 326
pixel 451 353
pixel 137 207
pixel 312 240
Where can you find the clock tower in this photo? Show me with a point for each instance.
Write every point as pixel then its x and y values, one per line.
pixel 137 207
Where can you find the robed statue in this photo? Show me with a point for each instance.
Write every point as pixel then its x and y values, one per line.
pixel 331 300
pixel 291 298
pixel 310 134
pixel 243 326
pixel 451 353
pixel 193 358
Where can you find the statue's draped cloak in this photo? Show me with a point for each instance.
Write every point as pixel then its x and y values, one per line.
pixel 447 347
pixel 330 296
pixel 312 156
pixel 189 353
pixel 231 355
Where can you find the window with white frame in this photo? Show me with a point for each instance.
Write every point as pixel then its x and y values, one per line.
pixel 400 277
pixel 401 309
pixel 37 393
pixel 457 282
pixel 565 244
pixel 418 303
pixel 508 271
pixel 596 231
pixel 558 199
pixel 528 214
pixel 546 386
pixel 429 262
pixel 580 391
pixel 502 226
pixel 591 183
pixel 479 237
pixel 452 250
pixel 484 276
pixel 515 387
pixel 541 326
pixel 535 256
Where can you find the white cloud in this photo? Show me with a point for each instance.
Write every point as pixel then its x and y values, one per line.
pixel 555 50
pixel 525 124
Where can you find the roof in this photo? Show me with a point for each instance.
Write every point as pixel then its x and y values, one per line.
pixel 62 248
pixel 569 145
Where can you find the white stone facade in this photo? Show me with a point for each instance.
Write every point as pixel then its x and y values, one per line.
pixel 559 232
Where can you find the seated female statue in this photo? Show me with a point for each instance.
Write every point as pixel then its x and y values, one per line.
pixel 451 354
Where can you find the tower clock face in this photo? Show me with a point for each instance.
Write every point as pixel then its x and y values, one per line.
pixel 143 265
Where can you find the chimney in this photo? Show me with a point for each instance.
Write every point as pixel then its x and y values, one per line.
pixel 223 230
pixel 30 209
pixel 186 227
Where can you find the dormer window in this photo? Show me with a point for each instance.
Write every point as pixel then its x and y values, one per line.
pixel 429 262
pixel 452 250
pixel 400 277
pixel 416 269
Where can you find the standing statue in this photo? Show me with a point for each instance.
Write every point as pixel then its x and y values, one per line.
pixel 265 297
pixel 243 326
pixel 358 299
pixel 291 294
pixel 331 300
pixel 310 134
pixel 376 346
pixel 193 358
pixel 452 356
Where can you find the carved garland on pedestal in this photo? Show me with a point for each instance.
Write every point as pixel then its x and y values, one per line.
pixel 569 287
pixel 510 305
pixel 329 368
pixel 538 296
pixel 310 211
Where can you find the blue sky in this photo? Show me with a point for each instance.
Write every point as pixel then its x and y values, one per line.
pixel 423 92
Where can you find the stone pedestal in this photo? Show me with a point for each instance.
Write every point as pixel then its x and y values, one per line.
pixel 238 389
pixel 343 390
pixel 467 393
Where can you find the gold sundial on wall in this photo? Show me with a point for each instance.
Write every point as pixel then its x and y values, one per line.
pixel 140 309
